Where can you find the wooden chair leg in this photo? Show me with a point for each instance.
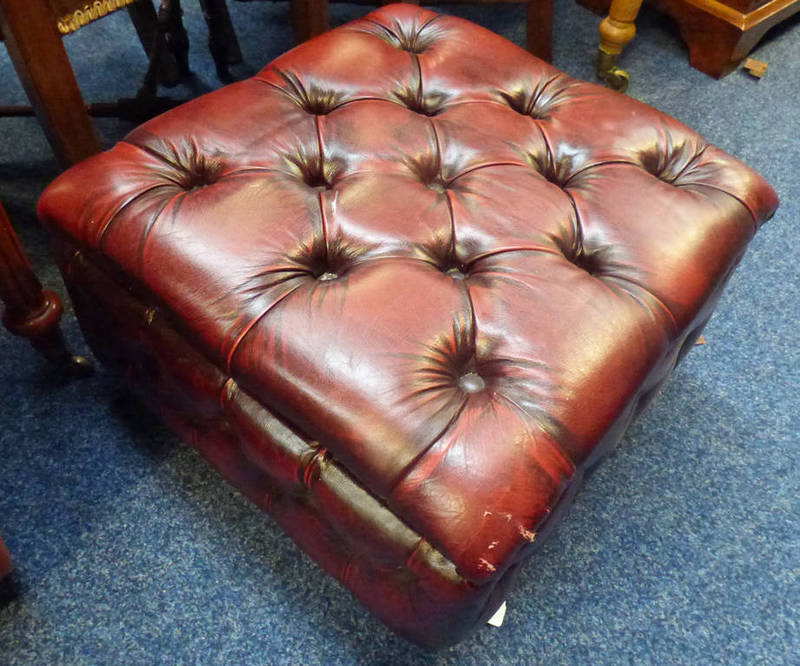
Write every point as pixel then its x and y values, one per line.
pixel 31 311
pixel 540 29
pixel 145 20
pixel 616 30
pixel 38 55
pixel 309 18
pixel 222 41
pixel 170 18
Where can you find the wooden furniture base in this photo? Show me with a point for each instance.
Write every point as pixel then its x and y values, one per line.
pixel 718 33
pixel 31 311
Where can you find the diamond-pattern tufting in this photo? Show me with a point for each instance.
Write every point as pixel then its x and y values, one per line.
pixel 451 270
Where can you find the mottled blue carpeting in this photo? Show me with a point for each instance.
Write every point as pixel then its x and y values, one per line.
pixel 684 547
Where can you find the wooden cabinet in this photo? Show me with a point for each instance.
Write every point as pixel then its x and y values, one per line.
pixel 719 33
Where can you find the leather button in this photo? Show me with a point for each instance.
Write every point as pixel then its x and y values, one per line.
pixel 472 382
pixel 437 185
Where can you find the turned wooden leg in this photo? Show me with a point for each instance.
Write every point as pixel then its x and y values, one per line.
pixel 540 29
pixel 616 30
pixel 309 18
pixel 38 55
pixel 30 311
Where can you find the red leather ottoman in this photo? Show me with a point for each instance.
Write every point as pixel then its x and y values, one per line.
pixel 5 561
pixel 403 288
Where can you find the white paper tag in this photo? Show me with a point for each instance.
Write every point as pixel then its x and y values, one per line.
pixel 497 619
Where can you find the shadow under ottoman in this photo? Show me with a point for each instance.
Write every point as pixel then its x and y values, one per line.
pixel 403 287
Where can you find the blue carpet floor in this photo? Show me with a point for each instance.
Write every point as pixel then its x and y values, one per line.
pixel 684 547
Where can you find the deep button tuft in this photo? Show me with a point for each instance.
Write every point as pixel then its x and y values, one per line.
pixel 453 268
pixel 527 104
pixel 428 104
pixel 327 263
pixel 201 172
pixel 429 172
pixel 673 162
pixel 541 101
pixel 413 39
pixel 310 97
pixel 592 262
pixel 315 172
pixel 316 178
pixel 441 253
pixel 416 43
pixel 558 171
pixel 471 382
pixel 322 103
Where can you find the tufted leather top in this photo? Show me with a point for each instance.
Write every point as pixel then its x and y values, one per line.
pixel 456 268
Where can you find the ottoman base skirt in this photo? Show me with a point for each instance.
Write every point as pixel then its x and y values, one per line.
pixel 404 307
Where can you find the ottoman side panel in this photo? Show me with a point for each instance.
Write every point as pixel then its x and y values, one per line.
pixel 5 560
